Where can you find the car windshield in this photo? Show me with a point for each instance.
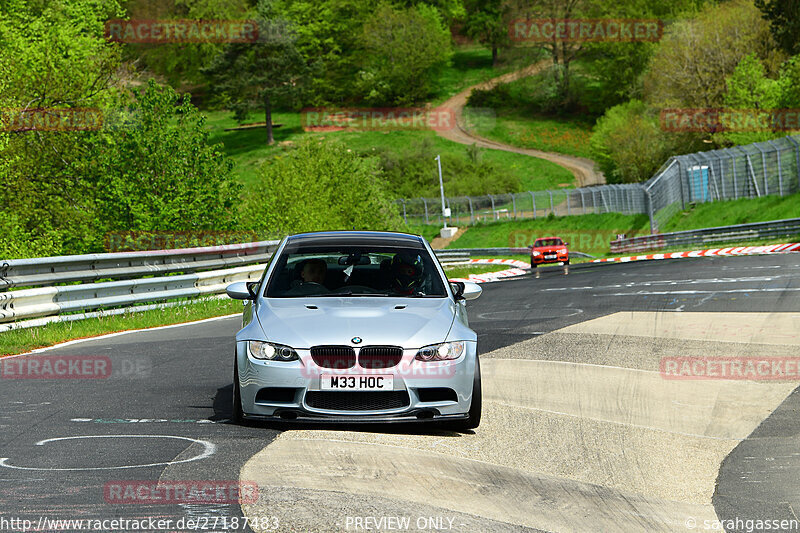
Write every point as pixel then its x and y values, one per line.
pixel 548 242
pixel 319 271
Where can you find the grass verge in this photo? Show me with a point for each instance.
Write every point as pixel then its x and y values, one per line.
pixel 24 340
pixel 463 271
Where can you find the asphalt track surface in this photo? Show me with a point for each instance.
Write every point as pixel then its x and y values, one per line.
pixel 580 431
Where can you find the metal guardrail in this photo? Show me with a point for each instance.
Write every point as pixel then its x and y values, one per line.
pixel 739 232
pixel 498 251
pixel 44 271
pixel 47 301
pixel 28 307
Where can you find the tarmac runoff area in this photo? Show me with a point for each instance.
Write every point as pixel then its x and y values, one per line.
pixel 581 431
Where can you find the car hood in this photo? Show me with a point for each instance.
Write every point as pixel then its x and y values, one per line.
pixel 549 249
pixel 406 322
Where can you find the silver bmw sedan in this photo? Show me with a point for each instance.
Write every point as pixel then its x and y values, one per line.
pixel 350 326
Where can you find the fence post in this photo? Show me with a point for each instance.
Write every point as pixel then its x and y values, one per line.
pixel 494 215
pixel 796 155
pixel 763 168
pixel 471 211
pixel 583 202
pixel 735 189
pixel 753 175
pixel 552 208
pixel 514 204
pixel 569 212
pixel 425 203
pixel 681 177
pixel 649 201
pixel 780 172
pixel 533 201
pixel 405 218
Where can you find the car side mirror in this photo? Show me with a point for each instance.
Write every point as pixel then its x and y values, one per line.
pixel 566 244
pixel 465 290
pixel 239 291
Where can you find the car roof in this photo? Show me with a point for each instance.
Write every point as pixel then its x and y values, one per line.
pixel 546 238
pixel 385 238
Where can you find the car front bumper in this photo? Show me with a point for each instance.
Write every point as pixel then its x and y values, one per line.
pixel 540 259
pixel 411 378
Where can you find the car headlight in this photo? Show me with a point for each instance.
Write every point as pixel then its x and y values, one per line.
pixel 562 251
pixel 441 352
pixel 272 352
pixel 536 254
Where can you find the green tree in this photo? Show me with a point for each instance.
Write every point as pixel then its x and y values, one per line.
pixel 696 56
pixel 181 63
pixel 486 22
pixel 784 20
pixel 158 172
pixel 320 186
pixel 47 203
pixel 404 50
pixel 259 76
pixel 629 145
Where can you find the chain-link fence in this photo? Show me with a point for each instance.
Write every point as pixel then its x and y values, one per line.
pixel 748 171
pixel 771 167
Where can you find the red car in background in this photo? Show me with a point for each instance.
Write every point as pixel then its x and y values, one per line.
pixel 549 250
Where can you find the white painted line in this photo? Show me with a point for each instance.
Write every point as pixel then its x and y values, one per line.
pixel 115 334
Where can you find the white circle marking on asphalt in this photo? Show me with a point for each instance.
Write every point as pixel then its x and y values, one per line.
pixel 209 450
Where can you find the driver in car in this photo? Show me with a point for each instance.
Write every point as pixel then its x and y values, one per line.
pixel 314 271
pixel 407 273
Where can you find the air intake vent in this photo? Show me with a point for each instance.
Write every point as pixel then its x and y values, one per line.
pixel 357 400
pixel 380 356
pixel 337 357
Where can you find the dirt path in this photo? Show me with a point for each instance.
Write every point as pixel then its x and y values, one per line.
pixel 583 169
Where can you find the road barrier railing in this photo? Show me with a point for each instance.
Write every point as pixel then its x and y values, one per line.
pixel 721 234
pixel 45 271
pixel 45 289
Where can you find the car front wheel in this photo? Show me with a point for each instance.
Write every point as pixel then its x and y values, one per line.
pixel 237 415
pixel 474 419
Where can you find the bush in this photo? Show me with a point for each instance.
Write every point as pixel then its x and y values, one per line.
pixel 414 173
pixel 629 145
pixel 320 186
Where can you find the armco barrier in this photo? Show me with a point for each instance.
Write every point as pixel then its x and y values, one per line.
pixel 43 271
pixel 47 301
pixel 739 232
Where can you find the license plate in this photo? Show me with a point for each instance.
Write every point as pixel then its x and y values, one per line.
pixel 550 257
pixel 331 382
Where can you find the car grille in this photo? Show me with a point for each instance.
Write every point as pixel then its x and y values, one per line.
pixel 357 400
pixel 380 356
pixel 338 357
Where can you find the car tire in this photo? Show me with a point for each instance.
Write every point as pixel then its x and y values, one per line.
pixel 237 415
pixel 475 407
pixel 533 264
pixel 566 262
